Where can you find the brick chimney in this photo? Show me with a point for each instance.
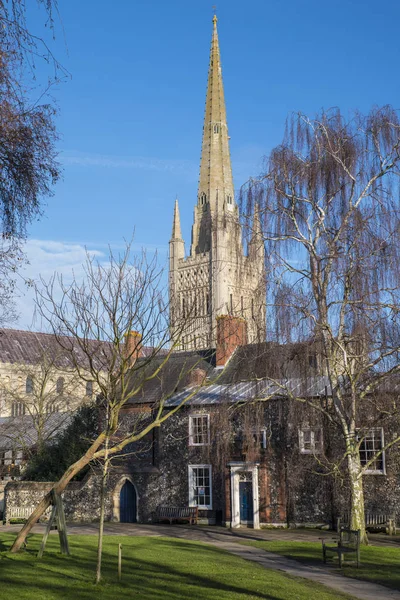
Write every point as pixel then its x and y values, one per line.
pixel 133 346
pixel 197 376
pixel 231 333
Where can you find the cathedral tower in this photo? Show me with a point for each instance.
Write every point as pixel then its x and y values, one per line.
pixel 217 278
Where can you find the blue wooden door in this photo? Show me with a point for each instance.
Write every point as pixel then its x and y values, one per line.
pixel 246 500
pixel 127 503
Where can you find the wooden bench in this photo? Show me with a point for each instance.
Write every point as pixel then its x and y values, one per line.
pixel 22 513
pixel 348 543
pixel 381 521
pixel 178 513
pixel 372 521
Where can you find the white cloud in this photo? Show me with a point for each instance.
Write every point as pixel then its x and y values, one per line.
pixel 46 257
pixel 178 166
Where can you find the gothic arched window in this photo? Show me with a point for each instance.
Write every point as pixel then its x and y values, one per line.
pixel 29 385
pixel 60 385
pixel 216 128
pixel 89 388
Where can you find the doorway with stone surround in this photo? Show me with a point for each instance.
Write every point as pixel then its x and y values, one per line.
pixel 125 501
pixel 244 494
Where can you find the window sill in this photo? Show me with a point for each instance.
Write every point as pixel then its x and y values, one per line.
pixel 192 444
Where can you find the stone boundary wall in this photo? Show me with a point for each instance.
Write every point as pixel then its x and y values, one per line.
pixel 80 498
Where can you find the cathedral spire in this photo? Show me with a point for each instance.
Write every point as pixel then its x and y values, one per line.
pixel 216 279
pixel 215 166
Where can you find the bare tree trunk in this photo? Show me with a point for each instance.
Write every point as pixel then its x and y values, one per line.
pixel 357 516
pixel 59 487
pixel 102 512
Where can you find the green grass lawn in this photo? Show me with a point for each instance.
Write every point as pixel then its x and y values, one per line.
pixel 378 564
pixel 153 568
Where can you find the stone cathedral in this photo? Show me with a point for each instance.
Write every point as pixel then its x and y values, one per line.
pixel 217 278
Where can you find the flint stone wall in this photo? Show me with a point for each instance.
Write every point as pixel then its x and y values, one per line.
pixel 291 491
pixel 82 499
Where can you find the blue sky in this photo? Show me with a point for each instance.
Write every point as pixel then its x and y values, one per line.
pixel 130 118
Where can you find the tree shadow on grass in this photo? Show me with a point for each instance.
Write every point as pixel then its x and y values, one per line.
pixel 72 577
pixel 202 534
pixel 6 543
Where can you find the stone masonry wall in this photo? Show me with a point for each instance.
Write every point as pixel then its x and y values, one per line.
pixel 291 488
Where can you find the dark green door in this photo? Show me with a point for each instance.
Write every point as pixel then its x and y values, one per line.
pixel 127 503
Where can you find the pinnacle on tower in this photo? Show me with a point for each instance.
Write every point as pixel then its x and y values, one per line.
pixel 256 242
pixel 176 227
pixel 176 243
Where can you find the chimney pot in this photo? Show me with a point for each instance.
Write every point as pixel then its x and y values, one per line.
pixel 133 346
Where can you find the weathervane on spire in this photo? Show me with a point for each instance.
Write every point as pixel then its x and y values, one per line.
pixel 215 14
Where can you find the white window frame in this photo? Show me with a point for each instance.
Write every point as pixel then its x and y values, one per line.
pixel 260 436
pixel 375 430
pixel 313 449
pixel 192 432
pixel 192 501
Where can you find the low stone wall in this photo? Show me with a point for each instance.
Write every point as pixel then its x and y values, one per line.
pixel 82 499
pixel 23 494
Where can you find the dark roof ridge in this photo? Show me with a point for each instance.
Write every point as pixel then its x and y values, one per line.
pixel 55 335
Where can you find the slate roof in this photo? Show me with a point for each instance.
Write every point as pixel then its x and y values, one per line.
pixel 262 389
pixel 247 375
pixel 19 432
pixel 272 360
pixel 173 377
pixel 29 348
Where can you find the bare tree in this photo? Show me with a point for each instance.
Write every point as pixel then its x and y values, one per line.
pixel 329 202
pixel 38 399
pixel 96 322
pixel 28 165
